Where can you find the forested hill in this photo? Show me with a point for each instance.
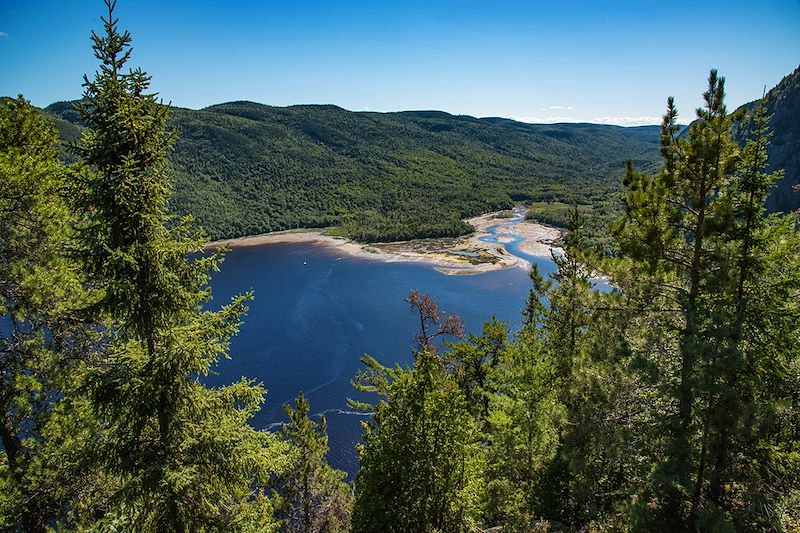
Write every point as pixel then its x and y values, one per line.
pixel 783 103
pixel 245 168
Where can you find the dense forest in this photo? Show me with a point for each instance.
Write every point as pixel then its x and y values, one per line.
pixel 671 403
pixel 243 168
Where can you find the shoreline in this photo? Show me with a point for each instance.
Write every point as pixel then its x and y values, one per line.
pixel 466 255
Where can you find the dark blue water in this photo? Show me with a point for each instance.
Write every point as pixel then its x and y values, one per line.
pixel 316 312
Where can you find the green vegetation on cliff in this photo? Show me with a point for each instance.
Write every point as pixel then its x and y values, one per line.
pixel 783 105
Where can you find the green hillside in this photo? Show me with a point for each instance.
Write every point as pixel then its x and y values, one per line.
pixel 244 168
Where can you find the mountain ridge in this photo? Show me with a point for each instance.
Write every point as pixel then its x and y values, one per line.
pixel 244 168
pixel 783 103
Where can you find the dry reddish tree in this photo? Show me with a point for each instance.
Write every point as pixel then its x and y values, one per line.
pixel 433 322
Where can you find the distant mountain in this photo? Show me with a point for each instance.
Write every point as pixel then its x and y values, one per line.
pixel 244 168
pixel 783 103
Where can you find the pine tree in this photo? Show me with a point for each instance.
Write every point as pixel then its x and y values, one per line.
pixel 315 496
pixel 699 248
pixel 739 409
pixel 185 456
pixel 45 347
pixel 420 465
pixel 671 229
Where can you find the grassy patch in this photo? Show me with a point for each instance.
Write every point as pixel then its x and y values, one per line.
pixel 556 213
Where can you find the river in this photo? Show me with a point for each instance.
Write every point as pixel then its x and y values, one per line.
pixel 317 311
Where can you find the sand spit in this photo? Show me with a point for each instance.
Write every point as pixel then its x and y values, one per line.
pixel 460 256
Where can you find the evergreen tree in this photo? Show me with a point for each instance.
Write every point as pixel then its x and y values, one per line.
pixel 670 229
pixel 563 328
pixel 315 496
pixel 568 315
pixel 756 345
pixel 185 456
pixel 420 464
pixel 44 345
pixel 473 364
pixel 700 251
pixel 524 422
pixel 535 308
pixel 577 348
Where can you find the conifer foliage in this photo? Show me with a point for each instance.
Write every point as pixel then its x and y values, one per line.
pixel 670 402
pixel 44 346
pixel 315 497
pixel 420 466
pixel 185 457
pixel 719 282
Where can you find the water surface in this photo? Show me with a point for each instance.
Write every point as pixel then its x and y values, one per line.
pixel 316 312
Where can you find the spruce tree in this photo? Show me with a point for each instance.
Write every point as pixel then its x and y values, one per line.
pixel 185 455
pixel 315 497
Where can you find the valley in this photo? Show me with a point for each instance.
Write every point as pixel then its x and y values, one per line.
pixel 227 316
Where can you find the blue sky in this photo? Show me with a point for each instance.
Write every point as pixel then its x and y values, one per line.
pixel 613 61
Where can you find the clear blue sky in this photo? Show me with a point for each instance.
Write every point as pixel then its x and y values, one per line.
pixel 600 61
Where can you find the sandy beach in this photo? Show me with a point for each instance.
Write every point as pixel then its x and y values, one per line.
pixel 457 256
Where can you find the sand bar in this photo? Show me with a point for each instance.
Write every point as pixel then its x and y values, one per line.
pixel 457 256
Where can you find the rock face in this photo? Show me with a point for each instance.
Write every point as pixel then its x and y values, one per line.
pixel 783 103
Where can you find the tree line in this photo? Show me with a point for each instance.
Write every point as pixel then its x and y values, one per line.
pixel 243 168
pixel 670 403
